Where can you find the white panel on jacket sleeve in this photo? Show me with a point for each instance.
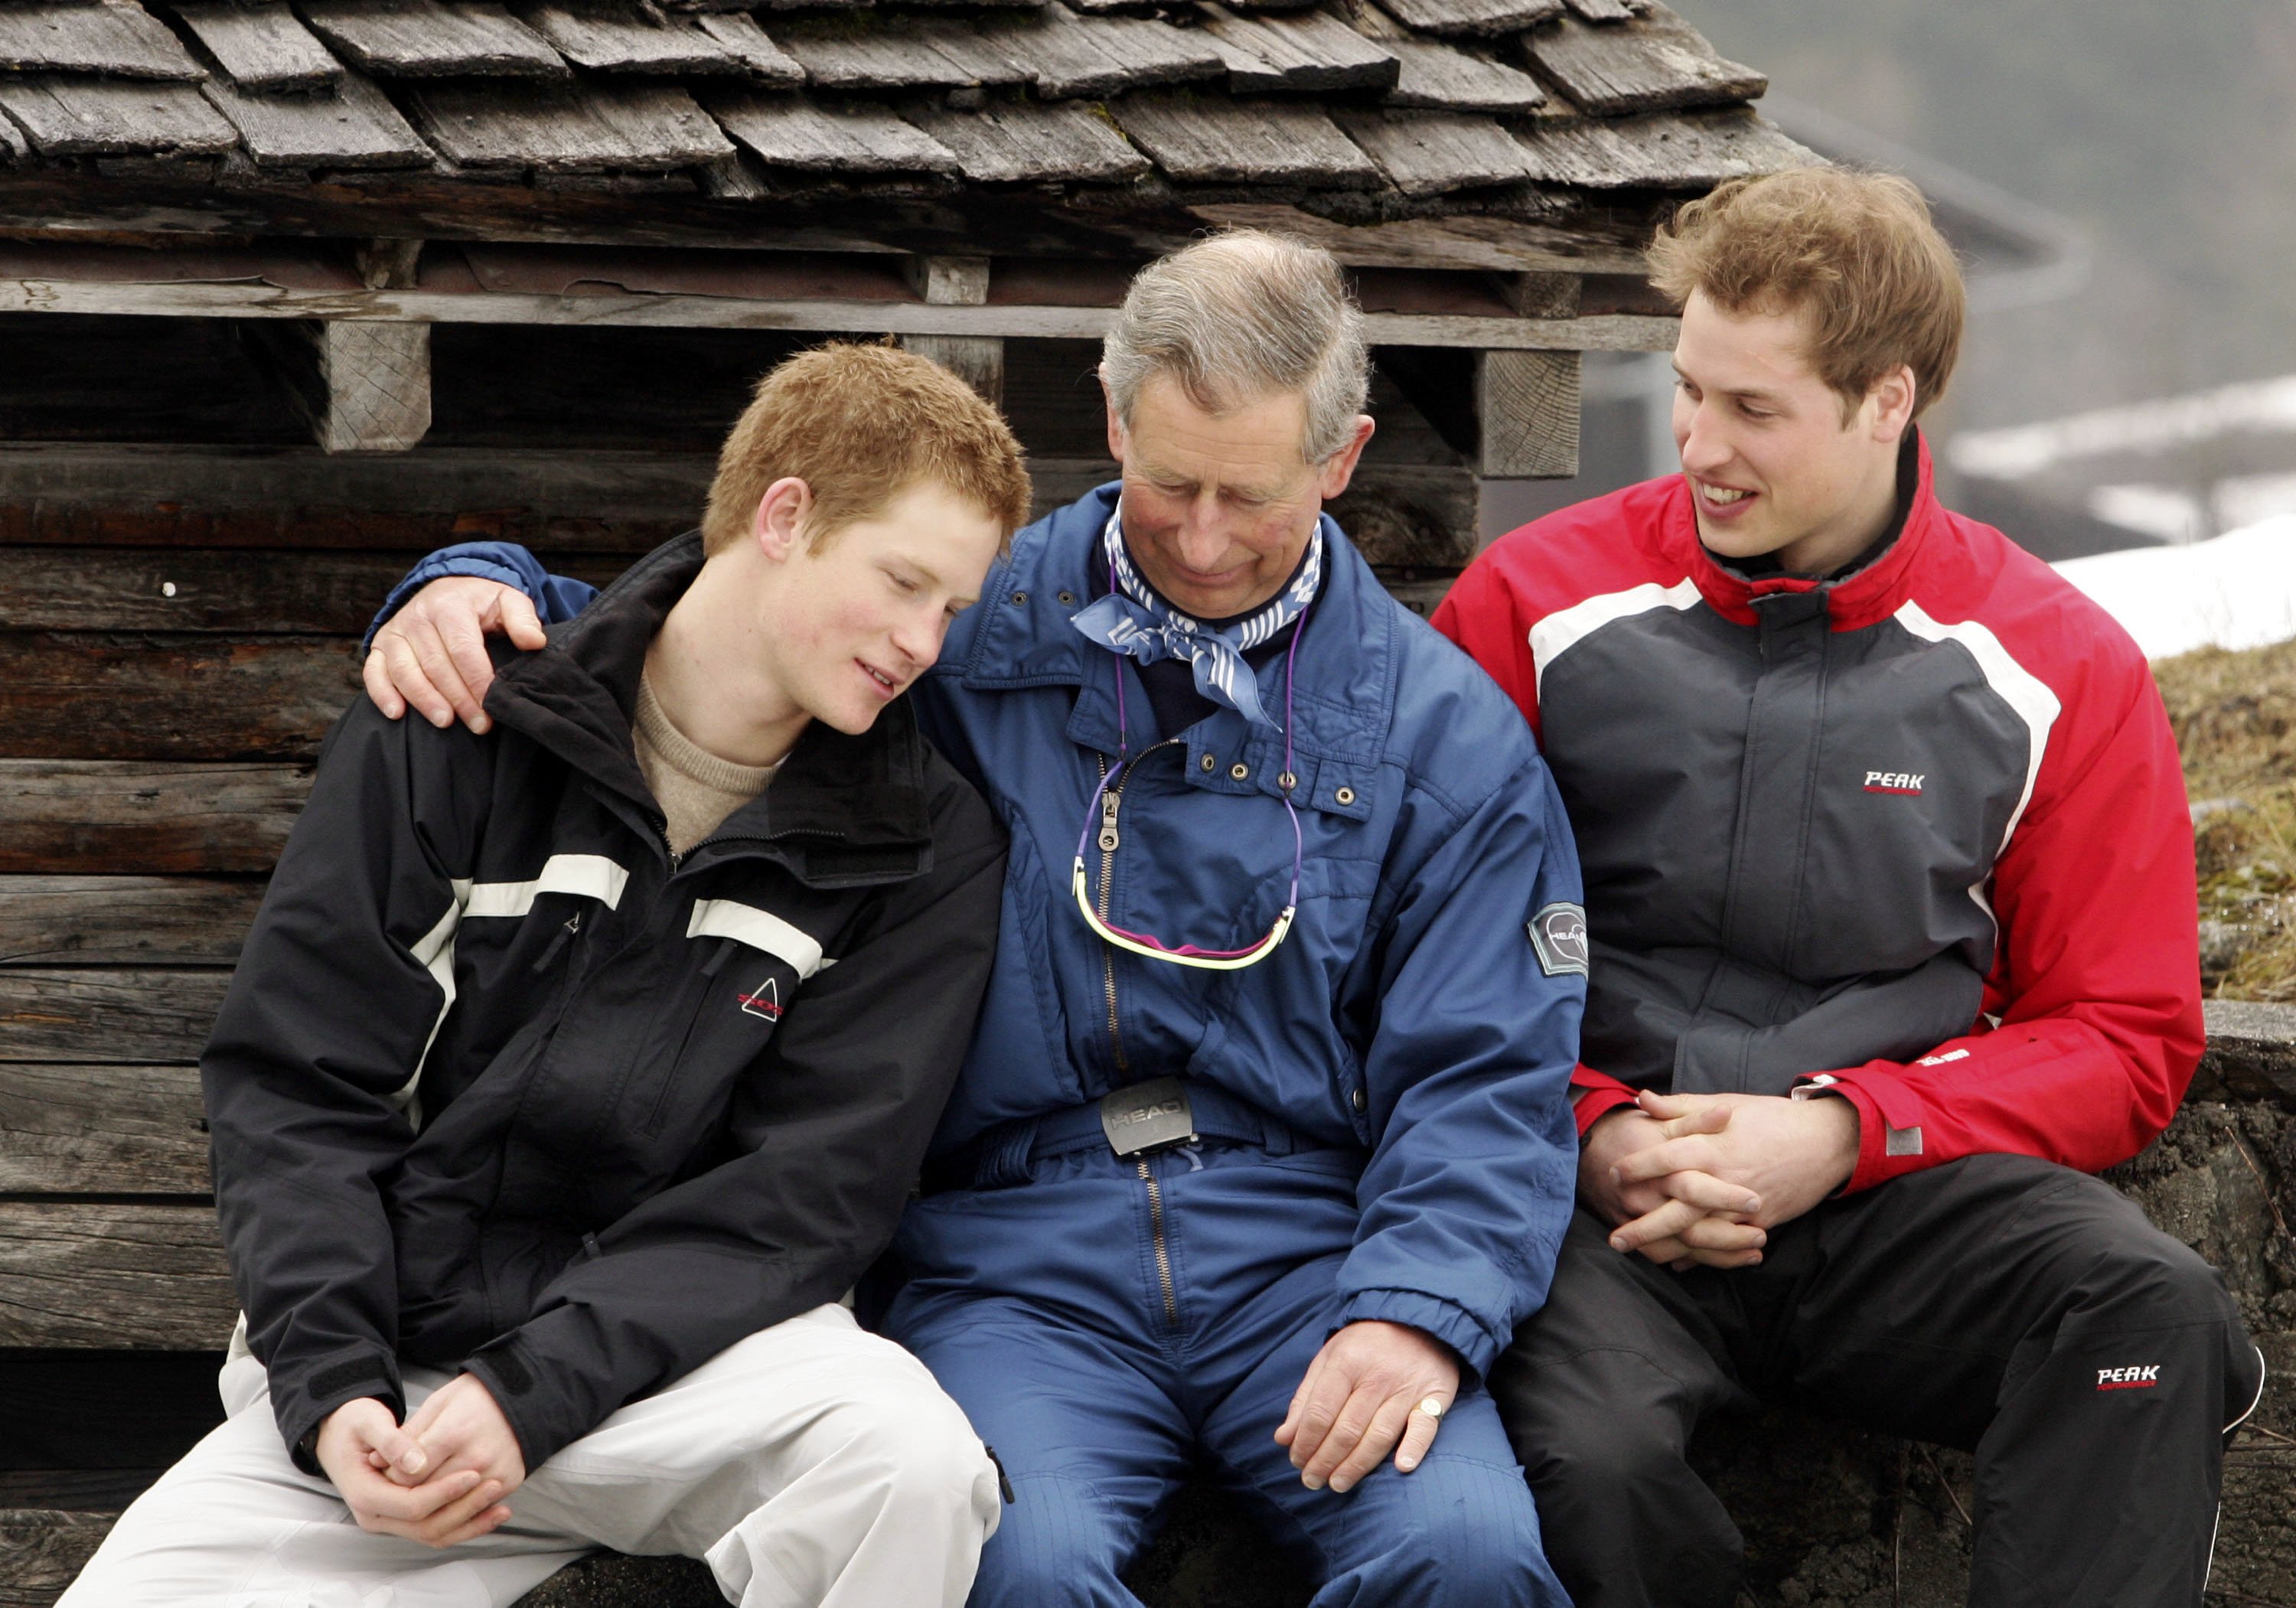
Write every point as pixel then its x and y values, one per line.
pixel 1565 628
pixel 434 952
pixel 2023 691
pixel 589 875
pixel 761 930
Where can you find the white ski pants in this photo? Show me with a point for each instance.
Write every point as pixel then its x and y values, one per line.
pixel 810 1464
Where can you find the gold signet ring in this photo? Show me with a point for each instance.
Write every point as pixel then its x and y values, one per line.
pixel 1433 1407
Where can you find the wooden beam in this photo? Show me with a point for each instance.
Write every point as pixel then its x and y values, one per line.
pixel 1527 404
pixel 979 360
pixel 74 1013
pixel 99 589
pixel 1616 332
pixel 145 1277
pixel 80 495
pixel 364 385
pixel 79 1129
pixel 949 280
pixel 140 816
pixel 139 920
pixel 88 697
pixel 42 1550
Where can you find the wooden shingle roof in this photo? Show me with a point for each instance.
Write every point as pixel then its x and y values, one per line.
pixel 310 112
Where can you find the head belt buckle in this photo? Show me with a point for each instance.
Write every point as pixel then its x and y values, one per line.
pixel 1146 1116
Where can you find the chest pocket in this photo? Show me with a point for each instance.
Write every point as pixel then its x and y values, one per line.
pixel 760 963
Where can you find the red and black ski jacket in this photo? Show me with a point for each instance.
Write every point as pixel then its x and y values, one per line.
pixel 1917 832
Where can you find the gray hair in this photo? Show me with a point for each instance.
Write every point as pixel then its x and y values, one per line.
pixel 1237 317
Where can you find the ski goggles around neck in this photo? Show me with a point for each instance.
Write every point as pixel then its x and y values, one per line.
pixel 1155 948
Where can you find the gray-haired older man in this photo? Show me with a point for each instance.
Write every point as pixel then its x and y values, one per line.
pixel 1261 1150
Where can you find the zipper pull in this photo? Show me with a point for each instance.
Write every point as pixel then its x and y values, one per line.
pixel 1108 840
pixel 573 926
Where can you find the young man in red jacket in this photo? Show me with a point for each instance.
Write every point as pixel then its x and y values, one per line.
pixel 1891 933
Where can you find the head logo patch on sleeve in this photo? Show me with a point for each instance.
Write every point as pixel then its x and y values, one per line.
pixel 1558 934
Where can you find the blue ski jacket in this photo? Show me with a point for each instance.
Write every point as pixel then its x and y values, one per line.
pixel 1424 1009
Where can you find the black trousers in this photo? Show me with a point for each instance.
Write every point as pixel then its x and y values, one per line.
pixel 2002 1305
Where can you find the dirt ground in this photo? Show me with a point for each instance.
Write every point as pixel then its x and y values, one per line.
pixel 2235 718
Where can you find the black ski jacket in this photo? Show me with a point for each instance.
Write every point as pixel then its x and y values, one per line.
pixel 500 1086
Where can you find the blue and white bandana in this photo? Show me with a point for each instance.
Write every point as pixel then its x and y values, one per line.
pixel 1136 622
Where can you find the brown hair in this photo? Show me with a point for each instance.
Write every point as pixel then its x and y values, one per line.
pixel 1857 251
pixel 860 425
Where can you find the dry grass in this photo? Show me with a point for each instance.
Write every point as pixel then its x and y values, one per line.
pixel 2235 719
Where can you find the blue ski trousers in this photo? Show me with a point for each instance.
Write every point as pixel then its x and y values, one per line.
pixel 1113 1328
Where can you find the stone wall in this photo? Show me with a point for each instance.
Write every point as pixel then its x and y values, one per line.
pixel 1834 1518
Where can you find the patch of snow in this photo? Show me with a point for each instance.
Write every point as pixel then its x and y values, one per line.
pixel 2236 591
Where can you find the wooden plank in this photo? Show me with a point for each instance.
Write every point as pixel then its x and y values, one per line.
pixel 80 1016
pixel 307 593
pixel 1607 11
pixel 845 137
pixel 1663 150
pixel 1657 62
pixel 614 36
pixel 753 50
pixel 1312 51
pixel 141 921
pixel 363 386
pixel 950 281
pixel 118 39
pixel 1064 55
pixel 41 1551
pixel 94 1129
pixel 914 53
pixel 1209 140
pixel 114 816
pixel 107 117
pixel 1443 78
pixel 566 127
pixel 1478 18
pixel 1430 152
pixel 1527 404
pixel 172 698
pixel 961 41
pixel 1014 142
pixel 357 127
pixel 104 1277
pixel 598 501
pixel 979 362
pixel 260 43
pixel 433 39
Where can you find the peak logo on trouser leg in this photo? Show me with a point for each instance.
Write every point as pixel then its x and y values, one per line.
pixel 2142 1378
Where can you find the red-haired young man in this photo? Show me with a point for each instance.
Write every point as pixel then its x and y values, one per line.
pixel 545 1135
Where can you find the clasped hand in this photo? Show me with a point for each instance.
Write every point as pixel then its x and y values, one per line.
pixel 440 1480
pixel 1692 1181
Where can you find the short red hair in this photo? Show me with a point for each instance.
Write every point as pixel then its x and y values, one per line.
pixel 860 425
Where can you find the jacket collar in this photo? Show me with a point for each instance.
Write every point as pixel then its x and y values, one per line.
pixel 1875 590
pixel 1343 701
pixel 840 808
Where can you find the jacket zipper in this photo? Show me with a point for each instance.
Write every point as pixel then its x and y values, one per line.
pixel 1110 801
pixel 1108 840
pixel 1163 1252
